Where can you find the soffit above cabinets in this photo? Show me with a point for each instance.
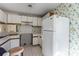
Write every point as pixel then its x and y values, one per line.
pixel 36 9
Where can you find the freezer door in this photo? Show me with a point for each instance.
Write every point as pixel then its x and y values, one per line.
pixel 47 24
pixel 47 43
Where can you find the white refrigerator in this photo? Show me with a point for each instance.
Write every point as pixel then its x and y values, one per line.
pixel 55 36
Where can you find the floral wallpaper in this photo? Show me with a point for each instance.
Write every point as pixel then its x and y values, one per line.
pixel 72 12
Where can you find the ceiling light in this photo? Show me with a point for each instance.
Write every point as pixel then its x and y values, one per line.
pixel 30 5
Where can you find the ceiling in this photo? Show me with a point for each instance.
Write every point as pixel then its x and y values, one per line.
pixel 37 9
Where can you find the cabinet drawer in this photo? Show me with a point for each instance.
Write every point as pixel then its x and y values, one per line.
pixel 35 41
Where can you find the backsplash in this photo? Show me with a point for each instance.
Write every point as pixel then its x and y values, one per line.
pixel 72 12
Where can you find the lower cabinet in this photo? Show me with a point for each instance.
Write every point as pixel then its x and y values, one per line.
pixel 35 41
pixel 40 40
pixel 15 43
pixel 7 45
pixel 11 44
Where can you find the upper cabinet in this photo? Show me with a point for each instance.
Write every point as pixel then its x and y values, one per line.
pixel 26 19
pixel 14 18
pixel 3 16
pixel 30 19
pixel 39 21
pixel 35 21
pixel 23 18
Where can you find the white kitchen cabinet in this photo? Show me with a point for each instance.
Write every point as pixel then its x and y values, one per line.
pixel 23 18
pixel 40 40
pixel 35 23
pixel 30 19
pixel 39 20
pixel 11 44
pixel 15 43
pixel 7 46
pixel 5 18
pixel 2 16
pixel 14 18
pixel 35 41
pixel 27 18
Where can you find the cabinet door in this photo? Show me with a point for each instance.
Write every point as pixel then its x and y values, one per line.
pixel 24 18
pixel 34 21
pixel 2 16
pixel 13 18
pixel 29 19
pixel 7 46
pixel 39 22
pixel 17 19
pixel 35 41
pixel 5 18
pixel 1 20
pixel 40 41
pixel 10 18
pixel 15 43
